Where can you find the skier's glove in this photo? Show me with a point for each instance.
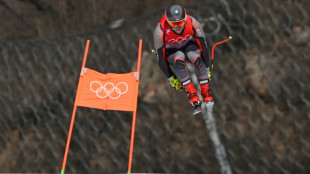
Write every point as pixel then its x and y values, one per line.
pixel 175 83
pixel 209 72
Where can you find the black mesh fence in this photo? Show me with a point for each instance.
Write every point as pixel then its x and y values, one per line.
pixel 260 84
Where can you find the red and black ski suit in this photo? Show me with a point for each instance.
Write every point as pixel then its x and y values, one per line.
pixel 174 49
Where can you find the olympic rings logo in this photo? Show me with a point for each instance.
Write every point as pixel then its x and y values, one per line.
pixel 108 89
pixel 178 41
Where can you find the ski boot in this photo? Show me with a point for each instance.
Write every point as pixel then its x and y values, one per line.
pixel 192 95
pixel 206 91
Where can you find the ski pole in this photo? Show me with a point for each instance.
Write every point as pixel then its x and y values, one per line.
pixel 212 55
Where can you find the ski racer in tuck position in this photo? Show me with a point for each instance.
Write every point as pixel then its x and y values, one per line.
pixel 178 37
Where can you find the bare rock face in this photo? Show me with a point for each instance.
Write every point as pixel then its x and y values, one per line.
pixel 257 80
pixel 301 35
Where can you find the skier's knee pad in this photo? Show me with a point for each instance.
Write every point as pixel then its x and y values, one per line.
pixel 193 56
pixel 179 54
pixel 179 61
pixel 177 57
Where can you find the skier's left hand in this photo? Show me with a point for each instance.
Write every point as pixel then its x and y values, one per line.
pixel 175 83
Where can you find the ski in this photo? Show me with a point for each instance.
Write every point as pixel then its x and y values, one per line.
pixel 197 108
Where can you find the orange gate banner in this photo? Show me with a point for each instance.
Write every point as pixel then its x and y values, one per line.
pixel 107 91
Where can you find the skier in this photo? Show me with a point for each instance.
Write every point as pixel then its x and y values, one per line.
pixel 178 37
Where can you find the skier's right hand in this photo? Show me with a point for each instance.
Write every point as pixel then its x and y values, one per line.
pixel 209 72
pixel 175 83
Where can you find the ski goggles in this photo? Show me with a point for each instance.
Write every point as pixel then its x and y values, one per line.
pixel 177 24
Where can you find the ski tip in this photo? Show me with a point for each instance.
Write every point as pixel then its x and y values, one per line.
pixel 196 112
pixel 230 37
